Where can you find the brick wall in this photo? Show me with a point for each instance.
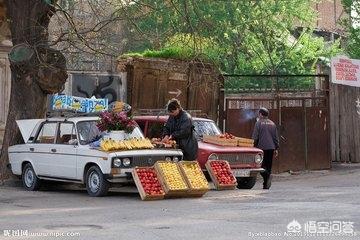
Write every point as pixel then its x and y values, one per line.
pixel 329 14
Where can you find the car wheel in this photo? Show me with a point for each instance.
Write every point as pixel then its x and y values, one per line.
pixel 246 182
pixel 96 184
pixel 29 179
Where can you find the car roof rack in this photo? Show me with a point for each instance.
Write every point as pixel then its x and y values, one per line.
pixel 69 114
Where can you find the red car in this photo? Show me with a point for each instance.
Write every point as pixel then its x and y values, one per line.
pixel 245 161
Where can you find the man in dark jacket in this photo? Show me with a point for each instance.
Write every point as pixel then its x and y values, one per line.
pixel 179 127
pixel 266 138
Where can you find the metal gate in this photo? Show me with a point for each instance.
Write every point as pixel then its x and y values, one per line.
pixel 302 118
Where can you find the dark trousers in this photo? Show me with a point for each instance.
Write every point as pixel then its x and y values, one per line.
pixel 267 164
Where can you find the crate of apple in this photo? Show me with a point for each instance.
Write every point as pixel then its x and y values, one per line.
pixel 227 136
pixel 225 139
pixel 147 183
pixel 221 174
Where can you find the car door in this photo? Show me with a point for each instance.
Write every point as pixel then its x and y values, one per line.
pixel 40 149
pixel 64 151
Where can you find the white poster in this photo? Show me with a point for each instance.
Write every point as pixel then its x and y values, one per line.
pixel 345 71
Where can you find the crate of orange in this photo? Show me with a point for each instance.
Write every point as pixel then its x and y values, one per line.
pixel 194 177
pixel 171 179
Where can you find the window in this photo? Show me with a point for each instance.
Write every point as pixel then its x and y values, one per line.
pixel 205 128
pixel 47 133
pixel 155 130
pixel 66 134
pixel 88 132
pixel 136 133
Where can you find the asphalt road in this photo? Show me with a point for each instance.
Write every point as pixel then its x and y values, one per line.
pixel 327 202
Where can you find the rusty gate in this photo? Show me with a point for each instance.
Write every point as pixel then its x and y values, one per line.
pixel 302 118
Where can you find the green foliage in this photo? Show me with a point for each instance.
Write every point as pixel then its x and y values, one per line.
pixel 352 25
pixel 184 47
pixel 241 37
pixel 171 52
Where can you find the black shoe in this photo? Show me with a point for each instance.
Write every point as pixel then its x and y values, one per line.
pixel 267 183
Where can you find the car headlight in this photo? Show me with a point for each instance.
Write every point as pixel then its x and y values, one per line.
pixel 175 159
pixel 168 158
pixel 117 162
pixel 213 156
pixel 258 158
pixel 126 162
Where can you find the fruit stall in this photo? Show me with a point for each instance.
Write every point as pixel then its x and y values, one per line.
pixel 168 179
pixel 165 179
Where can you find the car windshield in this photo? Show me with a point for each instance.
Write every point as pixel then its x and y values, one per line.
pixel 88 132
pixel 205 128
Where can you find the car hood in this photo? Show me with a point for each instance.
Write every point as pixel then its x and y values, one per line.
pixel 87 150
pixel 227 149
pixel 27 126
pixel 145 152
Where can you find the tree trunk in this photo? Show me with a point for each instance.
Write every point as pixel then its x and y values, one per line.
pixel 31 78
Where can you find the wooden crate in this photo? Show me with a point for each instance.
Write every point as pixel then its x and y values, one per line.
pixel 241 144
pixel 219 186
pixel 220 141
pixel 143 195
pixel 193 192
pixel 169 192
pixel 245 142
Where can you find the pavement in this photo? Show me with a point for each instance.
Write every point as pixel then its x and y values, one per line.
pixel 304 205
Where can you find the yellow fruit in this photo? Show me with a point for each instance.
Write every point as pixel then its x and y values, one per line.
pixel 172 176
pixel 195 175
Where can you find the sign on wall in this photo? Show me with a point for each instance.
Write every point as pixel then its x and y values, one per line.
pixel 345 71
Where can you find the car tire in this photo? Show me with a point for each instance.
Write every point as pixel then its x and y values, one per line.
pixel 29 179
pixel 96 184
pixel 246 182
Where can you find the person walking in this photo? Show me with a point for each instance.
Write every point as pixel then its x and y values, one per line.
pixel 266 138
pixel 179 127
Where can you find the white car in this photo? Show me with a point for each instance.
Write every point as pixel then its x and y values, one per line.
pixel 59 149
